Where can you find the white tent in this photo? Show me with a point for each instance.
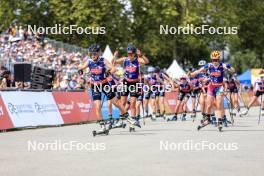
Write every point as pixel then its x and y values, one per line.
pixel 174 70
pixel 108 53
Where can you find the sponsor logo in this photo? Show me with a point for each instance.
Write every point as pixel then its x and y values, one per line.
pixel 131 69
pixel 45 108
pixel 23 108
pixel 217 74
pixel 96 71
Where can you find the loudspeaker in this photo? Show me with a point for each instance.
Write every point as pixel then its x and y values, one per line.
pixel 42 78
pixel 44 72
pixel 41 86
pixel 22 71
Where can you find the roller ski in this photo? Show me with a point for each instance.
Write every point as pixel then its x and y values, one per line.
pixel 204 122
pixel 103 131
pixel 174 118
pixel 117 124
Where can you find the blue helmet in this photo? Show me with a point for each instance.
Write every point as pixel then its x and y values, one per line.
pixel 131 49
pixel 94 48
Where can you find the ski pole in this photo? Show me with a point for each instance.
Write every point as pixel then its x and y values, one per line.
pixel 260 109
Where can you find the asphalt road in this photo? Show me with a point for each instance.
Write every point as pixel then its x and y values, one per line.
pixel 159 148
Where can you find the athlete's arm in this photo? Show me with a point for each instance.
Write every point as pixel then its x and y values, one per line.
pixel 83 66
pixel 238 84
pixel 117 60
pixel 192 74
pixel 229 68
pixel 111 68
pixel 142 59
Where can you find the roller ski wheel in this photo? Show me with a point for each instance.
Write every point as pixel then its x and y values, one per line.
pixel 106 132
pixel 94 133
pixel 124 125
pixel 220 128
pixel 132 129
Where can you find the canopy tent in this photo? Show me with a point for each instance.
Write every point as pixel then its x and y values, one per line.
pixel 174 70
pixel 245 78
pixel 108 53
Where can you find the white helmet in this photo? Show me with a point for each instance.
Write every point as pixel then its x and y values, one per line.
pixel 202 63
pixel 151 69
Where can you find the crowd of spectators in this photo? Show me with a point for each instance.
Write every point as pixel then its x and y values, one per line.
pixel 19 45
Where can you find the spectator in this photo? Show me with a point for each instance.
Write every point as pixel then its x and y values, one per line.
pixel 73 83
pixel 81 84
pixel 64 84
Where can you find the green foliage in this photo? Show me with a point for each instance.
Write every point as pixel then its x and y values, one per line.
pixel 140 24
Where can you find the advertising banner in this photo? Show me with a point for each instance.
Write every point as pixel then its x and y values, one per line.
pixel 75 107
pixel 31 108
pixel 5 122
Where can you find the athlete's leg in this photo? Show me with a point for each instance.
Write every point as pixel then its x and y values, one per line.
pixel 138 107
pixel 162 105
pixel 202 102
pixel 109 107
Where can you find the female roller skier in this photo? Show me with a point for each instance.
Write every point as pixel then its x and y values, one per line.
pixel 185 88
pixel 98 67
pixel 216 70
pixel 259 91
pixel 131 80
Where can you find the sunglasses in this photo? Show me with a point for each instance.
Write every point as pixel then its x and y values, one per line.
pixel 215 60
pixel 93 53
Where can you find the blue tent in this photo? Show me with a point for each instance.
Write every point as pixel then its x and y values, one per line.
pixel 245 78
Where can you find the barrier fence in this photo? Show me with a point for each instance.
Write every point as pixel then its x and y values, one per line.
pixel 33 109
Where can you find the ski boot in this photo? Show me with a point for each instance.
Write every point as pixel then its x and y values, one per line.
pixel 163 116
pixel 225 121
pixel 204 122
pixel 103 129
pixel 174 118
pixel 232 112
pixel 183 117
pixel 220 124
pixel 193 116
pixel 244 113
pixel 262 112
pixel 133 124
pixel 154 117
pixel 119 124
pixel 158 114
pixel 213 120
